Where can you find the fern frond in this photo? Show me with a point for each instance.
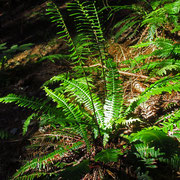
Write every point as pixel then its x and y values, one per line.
pixel 161 67
pixel 54 57
pixel 88 25
pixel 129 121
pixel 149 155
pixel 170 124
pixel 114 100
pixel 156 17
pixel 127 23
pixel 32 103
pixel 56 16
pixel 172 10
pixel 81 92
pixel 27 122
pixel 167 84
pixel 157 139
pixel 31 176
pixel 166 48
pixel 40 163
pixel 72 112
pixel 108 155
pixel 163 71
pixel 174 161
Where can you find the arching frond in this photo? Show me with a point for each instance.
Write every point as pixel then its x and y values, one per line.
pixel 31 103
pixel 40 163
pixel 166 84
pixel 27 122
pixel 56 16
pixel 114 100
pixel 72 112
pixel 81 92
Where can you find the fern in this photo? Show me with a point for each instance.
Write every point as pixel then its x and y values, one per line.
pixel 163 67
pixel 148 155
pixel 151 155
pixel 4 134
pixel 27 122
pixel 166 48
pixel 56 17
pixel 152 138
pixel 113 100
pixel 108 155
pixel 40 163
pixel 167 84
pixel 32 103
pixel 82 94
pixel 170 124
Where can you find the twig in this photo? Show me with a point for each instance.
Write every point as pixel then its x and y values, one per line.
pixel 128 73
pixel 137 75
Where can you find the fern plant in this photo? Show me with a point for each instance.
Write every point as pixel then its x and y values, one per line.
pixel 167 53
pixel 76 111
pixel 150 15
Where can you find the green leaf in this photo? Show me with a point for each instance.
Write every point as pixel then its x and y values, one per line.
pixel 108 155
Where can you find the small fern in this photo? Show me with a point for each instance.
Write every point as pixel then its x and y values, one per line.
pixel 27 122
pixel 4 134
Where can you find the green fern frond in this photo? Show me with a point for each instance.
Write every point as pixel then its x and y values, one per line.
pixel 32 103
pixel 174 161
pixel 54 57
pixel 129 121
pixel 72 112
pixel 56 16
pixel 170 124
pixel 108 155
pixel 157 139
pixel 172 10
pixel 27 122
pixel 114 99
pixel 40 163
pixel 53 119
pixel 156 17
pixel 166 48
pixel 148 155
pixel 81 92
pixel 127 23
pixel 166 84
pixel 31 176
pixel 89 28
pixel 162 64
pixel 82 130
pixel 163 71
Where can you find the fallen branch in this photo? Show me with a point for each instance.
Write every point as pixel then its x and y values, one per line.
pixel 127 73
pixel 137 75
